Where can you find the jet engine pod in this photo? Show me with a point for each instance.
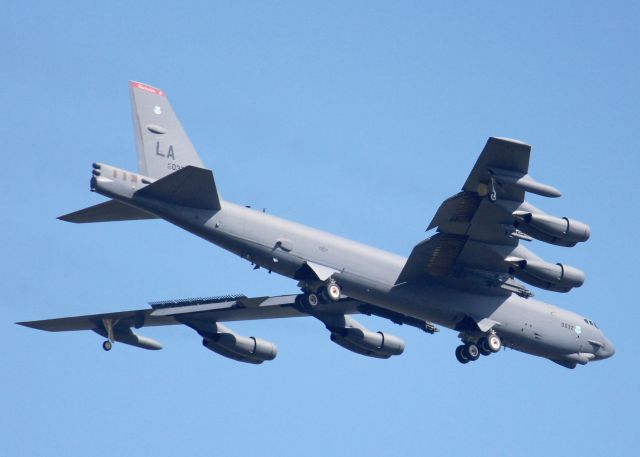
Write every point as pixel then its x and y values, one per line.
pixel 241 348
pixel 560 231
pixel 555 277
pixel 365 342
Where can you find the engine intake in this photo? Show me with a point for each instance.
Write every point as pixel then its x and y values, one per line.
pixel 560 231
pixel 556 277
pixel 237 347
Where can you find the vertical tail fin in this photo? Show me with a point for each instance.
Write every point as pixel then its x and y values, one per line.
pixel 162 145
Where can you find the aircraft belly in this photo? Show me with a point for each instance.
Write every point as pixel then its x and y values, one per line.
pixel 446 307
pixel 366 274
pixel 422 301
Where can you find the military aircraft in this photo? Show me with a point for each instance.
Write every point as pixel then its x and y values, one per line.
pixel 465 277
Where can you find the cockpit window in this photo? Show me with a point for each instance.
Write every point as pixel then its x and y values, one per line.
pixel 590 322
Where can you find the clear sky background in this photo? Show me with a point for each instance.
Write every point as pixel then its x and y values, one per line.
pixel 355 117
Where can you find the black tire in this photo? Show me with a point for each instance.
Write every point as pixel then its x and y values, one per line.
pixel 471 352
pixel 483 347
pixel 107 345
pixel 460 354
pixel 310 301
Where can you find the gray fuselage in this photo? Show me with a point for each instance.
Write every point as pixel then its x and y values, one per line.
pixel 369 274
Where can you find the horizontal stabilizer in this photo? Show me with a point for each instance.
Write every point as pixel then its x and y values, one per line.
pixel 108 211
pixel 191 186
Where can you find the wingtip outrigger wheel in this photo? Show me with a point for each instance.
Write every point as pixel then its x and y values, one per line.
pixel 108 328
pixel 493 196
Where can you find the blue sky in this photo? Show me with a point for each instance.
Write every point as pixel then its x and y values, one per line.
pixel 356 118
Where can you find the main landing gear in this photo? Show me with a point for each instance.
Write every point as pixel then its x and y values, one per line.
pixel 310 299
pixel 471 351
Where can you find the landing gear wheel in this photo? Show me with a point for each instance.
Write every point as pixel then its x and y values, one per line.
pixel 332 291
pixel 310 301
pixel 460 354
pixel 107 345
pixel 483 347
pixel 471 352
pixel 494 343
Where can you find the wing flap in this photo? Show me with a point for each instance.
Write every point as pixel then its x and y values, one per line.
pixel 435 257
pixel 456 212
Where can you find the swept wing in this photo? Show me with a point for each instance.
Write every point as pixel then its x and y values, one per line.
pixel 204 315
pixel 479 229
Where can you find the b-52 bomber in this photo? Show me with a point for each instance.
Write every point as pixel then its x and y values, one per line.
pixel 466 277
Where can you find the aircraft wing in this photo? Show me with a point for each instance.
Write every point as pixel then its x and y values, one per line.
pixel 213 309
pixel 226 308
pixel 477 242
pixel 204 315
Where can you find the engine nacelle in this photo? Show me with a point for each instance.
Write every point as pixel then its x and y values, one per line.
pixel 237 347
pixel 365 342
pixel 560 231
pixel 556 277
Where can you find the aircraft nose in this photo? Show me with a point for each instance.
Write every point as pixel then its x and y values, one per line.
pixel 607 350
